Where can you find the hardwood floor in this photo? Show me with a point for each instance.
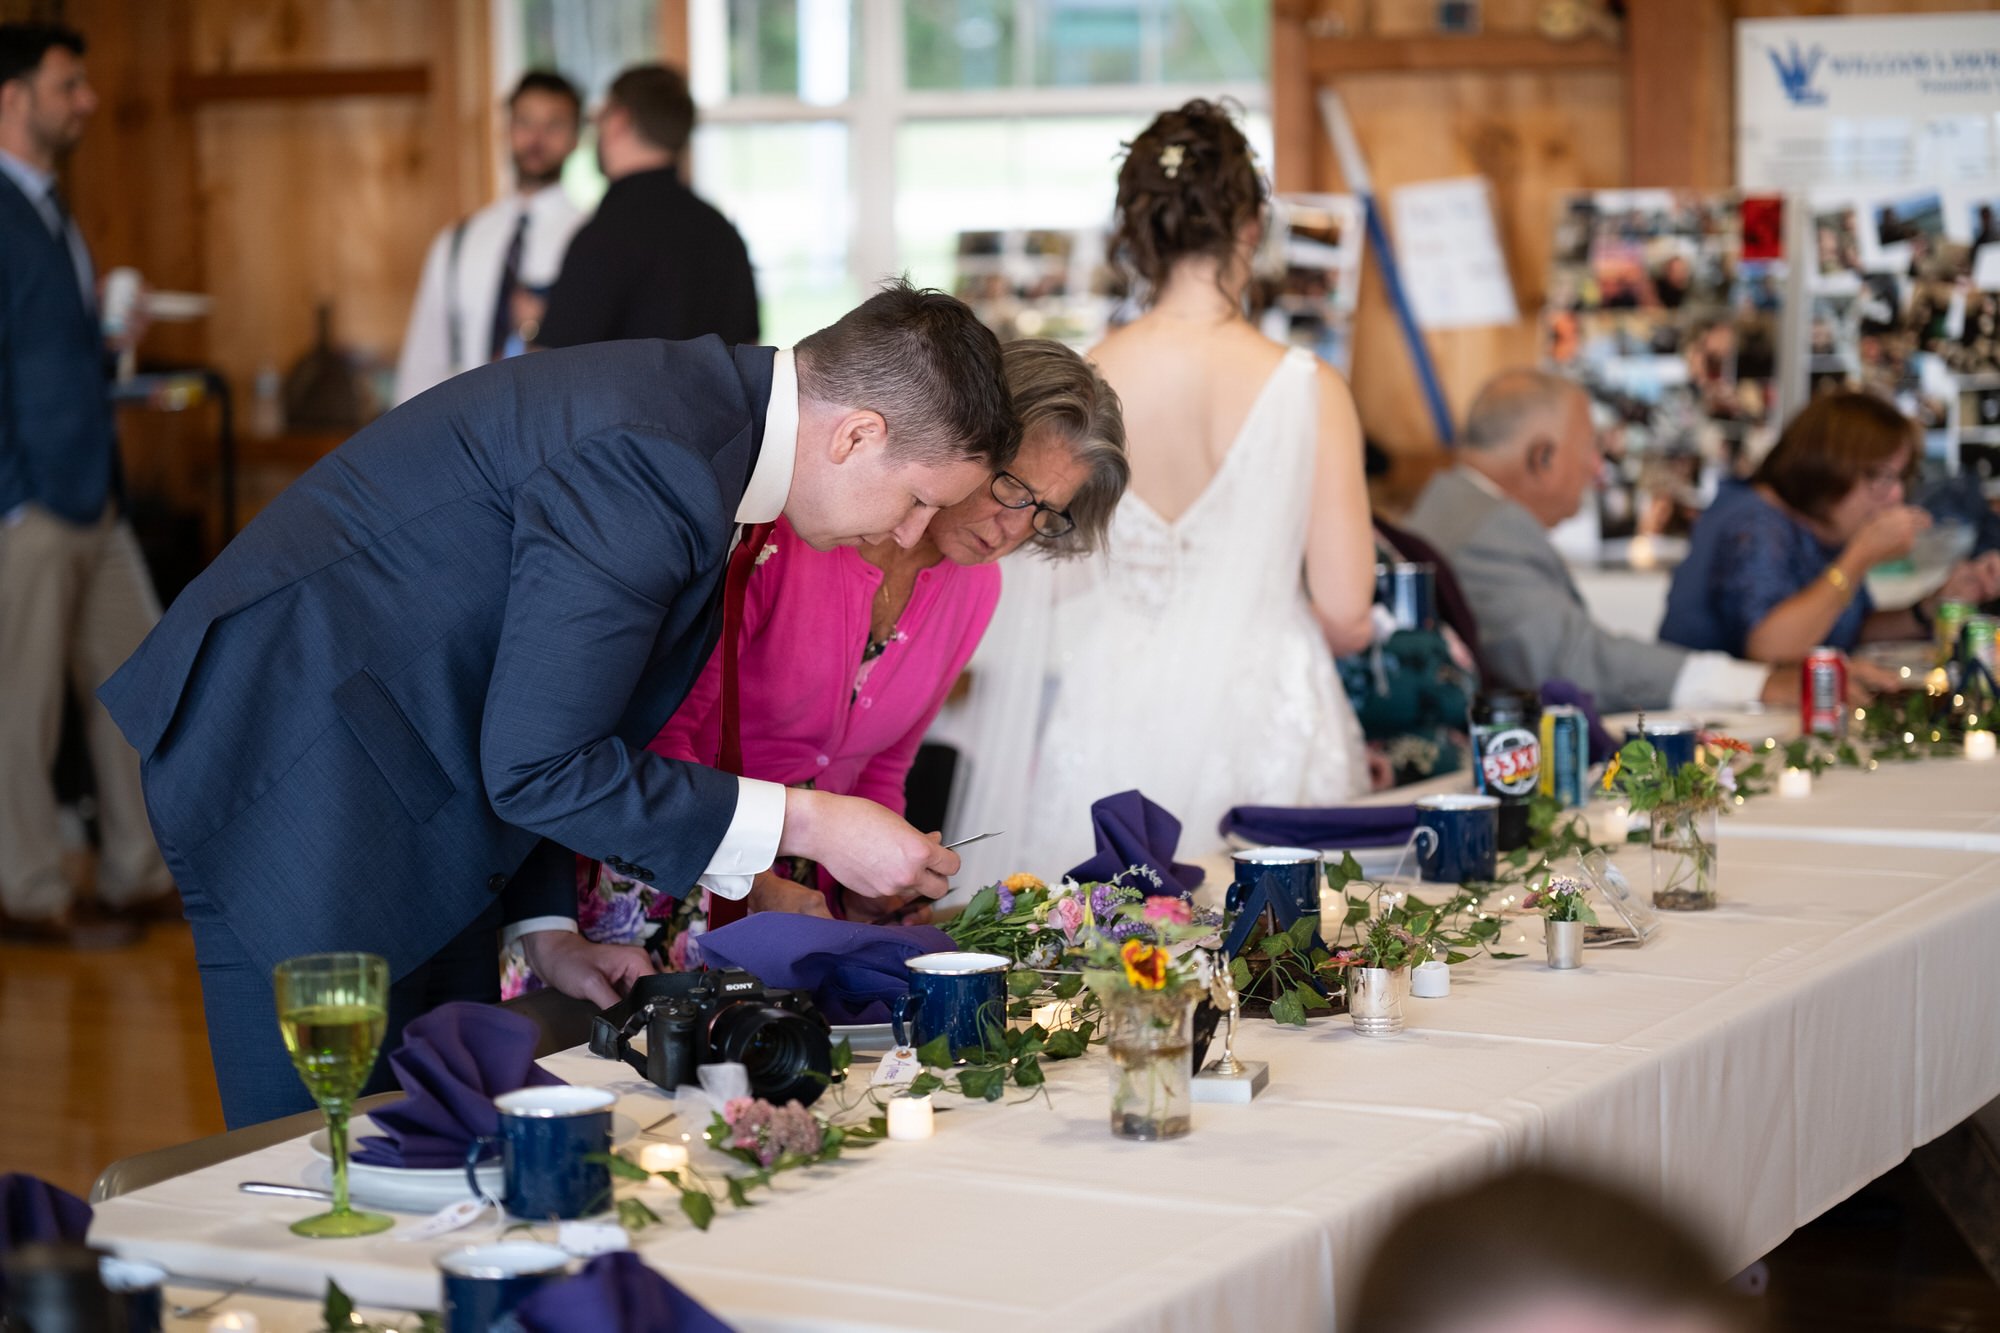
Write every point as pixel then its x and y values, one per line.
pixel 102 1055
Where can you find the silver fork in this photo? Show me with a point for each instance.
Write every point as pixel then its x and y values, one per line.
pixel 197 1311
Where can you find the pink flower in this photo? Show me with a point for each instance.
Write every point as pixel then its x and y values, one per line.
pixel 1173 910
pixel 1068 914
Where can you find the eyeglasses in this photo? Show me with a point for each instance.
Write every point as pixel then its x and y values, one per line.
pixel 1013 493
pixel 1886 478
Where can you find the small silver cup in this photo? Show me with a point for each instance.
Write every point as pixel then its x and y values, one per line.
pixel 1375 998
pixel 1564 942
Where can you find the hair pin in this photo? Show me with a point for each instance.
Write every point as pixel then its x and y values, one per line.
pixel 1171 158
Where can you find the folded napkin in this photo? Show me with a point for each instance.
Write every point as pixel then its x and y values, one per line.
pixel 34 1212
pixel 1132 831
pixel 453 1062
pixel 1602 747
pixel 1333 826
pixel 615 1293
pixel 852 970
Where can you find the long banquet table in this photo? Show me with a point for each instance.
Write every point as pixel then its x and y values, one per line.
pixel 1752 1065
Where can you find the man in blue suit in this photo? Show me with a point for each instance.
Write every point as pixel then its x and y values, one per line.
pixel 426 674
pixel 75 598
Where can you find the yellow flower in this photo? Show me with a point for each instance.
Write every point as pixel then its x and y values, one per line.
pixel 1611 771
pixel 1145 965
pixel 1022 880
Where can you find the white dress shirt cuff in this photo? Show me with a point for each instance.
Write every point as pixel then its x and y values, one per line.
pixel 535 925
pixel 751 843
pixel 1717 680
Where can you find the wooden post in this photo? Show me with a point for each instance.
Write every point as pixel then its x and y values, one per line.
pixel 1679 86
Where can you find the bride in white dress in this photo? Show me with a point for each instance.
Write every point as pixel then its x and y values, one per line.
pixel 1194 658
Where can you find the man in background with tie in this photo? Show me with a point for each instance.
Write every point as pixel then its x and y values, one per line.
pixel 656 261
pixel 484 281
pixel 75 597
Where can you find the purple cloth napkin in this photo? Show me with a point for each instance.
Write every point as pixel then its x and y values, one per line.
pixel 1337 826
pixel 1602 747
pixel 34 1212
pixel 453 1062
pixel 852 970
pixel 1132 831
pixel 615 1293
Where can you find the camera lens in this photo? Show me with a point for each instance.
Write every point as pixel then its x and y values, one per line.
pixel 787 1055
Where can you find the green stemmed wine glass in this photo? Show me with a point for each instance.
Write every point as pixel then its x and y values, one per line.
pixel 332 1008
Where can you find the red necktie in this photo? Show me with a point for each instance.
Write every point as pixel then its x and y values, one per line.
pixel 735 589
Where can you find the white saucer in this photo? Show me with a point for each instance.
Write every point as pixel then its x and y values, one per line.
pixel 866 1036
pixel 417 1189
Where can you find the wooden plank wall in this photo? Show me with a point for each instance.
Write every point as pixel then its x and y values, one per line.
pixel 1661 116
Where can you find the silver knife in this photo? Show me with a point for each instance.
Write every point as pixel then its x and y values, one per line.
pixel 977 837
pixel 285 1191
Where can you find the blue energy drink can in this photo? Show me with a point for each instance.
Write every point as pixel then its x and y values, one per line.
pixel 1565 754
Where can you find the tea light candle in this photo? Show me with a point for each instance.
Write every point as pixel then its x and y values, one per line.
pixel 1431 981
pixel 911 1118
pixel 235 1321
pixel 1609 821
pixel 664 1157
pixel 1054 1016
pixel 1795 783
pixel 1981 746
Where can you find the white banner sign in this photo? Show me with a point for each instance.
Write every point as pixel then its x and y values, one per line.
pixel 1867 100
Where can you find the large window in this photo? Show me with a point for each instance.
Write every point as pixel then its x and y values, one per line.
pixel 853 139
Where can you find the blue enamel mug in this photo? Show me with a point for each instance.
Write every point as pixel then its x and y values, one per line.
pixel 959 996
pixel 483 1283
pixel 1675 740
pixel 1288 875
pixel 546 1136
pixel 1458 838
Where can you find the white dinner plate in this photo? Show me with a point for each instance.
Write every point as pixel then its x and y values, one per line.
pixel 866 1036
pixel 417 1189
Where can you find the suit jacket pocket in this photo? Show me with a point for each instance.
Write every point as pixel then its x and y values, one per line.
pixel 406 762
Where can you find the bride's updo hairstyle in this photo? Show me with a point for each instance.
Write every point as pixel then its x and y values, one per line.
pixel 1188 185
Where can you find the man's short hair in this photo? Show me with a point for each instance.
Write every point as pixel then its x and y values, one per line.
pixel 22 46
pixel 923 360
pixel 550 82
pixel 656 97
pixel 1509 403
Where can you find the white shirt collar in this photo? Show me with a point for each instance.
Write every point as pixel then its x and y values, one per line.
pixel 771 480
pixel 34 182
pixel 1483 482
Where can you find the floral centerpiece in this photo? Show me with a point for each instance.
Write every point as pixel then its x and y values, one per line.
pixel 1375 973
pixel 1142 963
pixel 1565 907
pixel 1683 801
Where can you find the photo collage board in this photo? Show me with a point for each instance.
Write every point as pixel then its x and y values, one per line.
pixel 1665 306
pixel 1060 284
pixel 1906 302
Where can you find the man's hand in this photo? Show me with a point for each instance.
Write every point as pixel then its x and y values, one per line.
pixel 1976 581
pixel 599 973
pixel 771 892
pixel 914 911
pixel 1781 687
pixel 864 846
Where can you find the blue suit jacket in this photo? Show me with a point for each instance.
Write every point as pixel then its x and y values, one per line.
pixel 450 639
pixel 58 444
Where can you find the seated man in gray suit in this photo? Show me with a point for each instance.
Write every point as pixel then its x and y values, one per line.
pixel 1526 459
pixel 426 674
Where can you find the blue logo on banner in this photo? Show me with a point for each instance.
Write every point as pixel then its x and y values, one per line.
pixel 1795 73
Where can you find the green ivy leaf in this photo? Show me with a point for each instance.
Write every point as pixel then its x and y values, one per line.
pixel 924 1084
pixel 1066 1045
pixel 1510 955
pixel 620 1166
pixel 635 1216
pixel 1070 986
pixel 983 1084
pixel 338 1308
pixel 1310 998
pixel 1454 957
pixel 1275 946
pixel 1022 983
pixel 739 1193
pixel 1287 1010
pixel 1239 973
pixel 843 1055
pixel 936 1052
pixel 1356 913
pixel 1028 1073
pixel 1302 931
pixel 699 1207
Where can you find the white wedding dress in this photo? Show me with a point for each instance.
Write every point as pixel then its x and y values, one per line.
pixel 1186 661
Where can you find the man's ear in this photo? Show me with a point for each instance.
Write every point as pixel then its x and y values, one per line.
pixel 859 432
pixel 1541 455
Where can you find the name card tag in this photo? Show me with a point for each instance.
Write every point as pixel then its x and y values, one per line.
pixel 898 1066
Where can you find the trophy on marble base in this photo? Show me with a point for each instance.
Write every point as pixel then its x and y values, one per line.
pixel 1226 1078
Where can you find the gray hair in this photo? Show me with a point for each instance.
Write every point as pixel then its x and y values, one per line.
pixel 923 361
pixel 1055 389
pixel 1508 405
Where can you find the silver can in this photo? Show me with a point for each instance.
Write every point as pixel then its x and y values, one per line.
pixel 1375 998
pixel 1564 942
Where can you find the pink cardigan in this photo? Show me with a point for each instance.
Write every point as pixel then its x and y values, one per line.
pixel 811 710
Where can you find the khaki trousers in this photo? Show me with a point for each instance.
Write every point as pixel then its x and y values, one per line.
pixel 75 600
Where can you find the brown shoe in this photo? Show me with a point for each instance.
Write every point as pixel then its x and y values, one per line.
pixel 71 930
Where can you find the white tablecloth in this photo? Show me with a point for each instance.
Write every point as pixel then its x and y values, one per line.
pixel 1753 1065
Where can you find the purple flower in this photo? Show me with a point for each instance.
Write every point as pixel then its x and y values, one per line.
pixel 1128 930
pixel 1101 901
pixel 619 918
pixel 1005 898
pixel 793 1129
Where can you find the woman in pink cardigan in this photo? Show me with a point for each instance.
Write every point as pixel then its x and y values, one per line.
pixel 845 656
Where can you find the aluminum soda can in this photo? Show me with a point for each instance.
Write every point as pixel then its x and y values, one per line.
pixel 1823 693
pixel 1979 641
pixel 1946 624
pixel 1565 754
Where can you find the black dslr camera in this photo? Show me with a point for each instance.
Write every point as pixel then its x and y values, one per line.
pixel 697 1018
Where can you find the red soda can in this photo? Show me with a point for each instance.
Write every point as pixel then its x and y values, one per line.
pixel 1823 693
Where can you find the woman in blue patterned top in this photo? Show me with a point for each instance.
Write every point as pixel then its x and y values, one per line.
pixel 1777 563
